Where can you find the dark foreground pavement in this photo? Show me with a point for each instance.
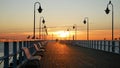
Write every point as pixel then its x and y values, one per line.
pixel 66 56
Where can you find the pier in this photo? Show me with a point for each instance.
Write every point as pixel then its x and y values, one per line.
pixel 62 34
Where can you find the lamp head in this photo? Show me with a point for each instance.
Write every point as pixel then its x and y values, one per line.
pixel 67 29
pixel 84 21
pixel 43 21
pixel 40 9
pixel 109 2
pixel 45 26
pixel 107 10
pixel 73 27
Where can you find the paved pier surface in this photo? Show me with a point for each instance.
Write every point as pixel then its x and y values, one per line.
pixel 66 56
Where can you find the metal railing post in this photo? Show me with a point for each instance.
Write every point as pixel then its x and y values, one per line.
pixel 97 44
pixel 119 46
pixel 100 45
pixel 113 46
pixel 104 45
pixel 20 53
pixel 92 44
pixel 6 54
pixel 108 46
pixel 24 45
pixel 15 54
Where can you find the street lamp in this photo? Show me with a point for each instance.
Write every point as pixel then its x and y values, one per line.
pixel 86 20
pixel 39 10
pixel 75 27
pixel 43 21
pixel 45 29
pixel 43 26
pixel 69 33
pixel 107 11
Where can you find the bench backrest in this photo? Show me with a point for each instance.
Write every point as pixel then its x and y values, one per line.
pixel 40 44
pixel 36 47
pixel 27 52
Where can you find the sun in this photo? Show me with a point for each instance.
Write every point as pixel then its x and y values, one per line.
pixel 62 33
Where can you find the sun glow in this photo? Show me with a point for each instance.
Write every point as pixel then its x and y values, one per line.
pixel 62 33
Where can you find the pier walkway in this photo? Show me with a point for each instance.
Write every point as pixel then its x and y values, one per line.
pixel 59 55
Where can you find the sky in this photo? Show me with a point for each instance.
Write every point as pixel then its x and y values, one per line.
pixel 16 17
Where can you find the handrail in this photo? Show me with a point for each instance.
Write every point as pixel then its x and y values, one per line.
pixel 3 57
pixel 104 45
pixel 6 58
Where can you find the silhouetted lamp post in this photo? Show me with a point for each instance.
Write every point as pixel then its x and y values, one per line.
pixel 107 11
pixel 73 35
pixel 69 33
pixel 86 20
pixel 43 26
pixel 75 27
pixel 43 21
pixel 45 29
pixel 39 10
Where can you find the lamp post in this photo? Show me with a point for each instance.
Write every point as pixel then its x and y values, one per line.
pixel 75 27
pixel 43 26
pixel 69 33
pixel 86 18
pixel 43 21
pixel 39 10
pixel 107 11
pixel 44 31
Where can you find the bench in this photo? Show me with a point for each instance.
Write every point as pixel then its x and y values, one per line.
pixel 29 56
pixel 40 45
pixel 33 61
pixel 38 51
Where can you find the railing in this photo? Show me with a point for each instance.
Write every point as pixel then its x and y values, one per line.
pixel 17 55
pixel 104 45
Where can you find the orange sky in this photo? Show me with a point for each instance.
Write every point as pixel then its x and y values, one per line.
pixel 81 35
pixel 16 21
